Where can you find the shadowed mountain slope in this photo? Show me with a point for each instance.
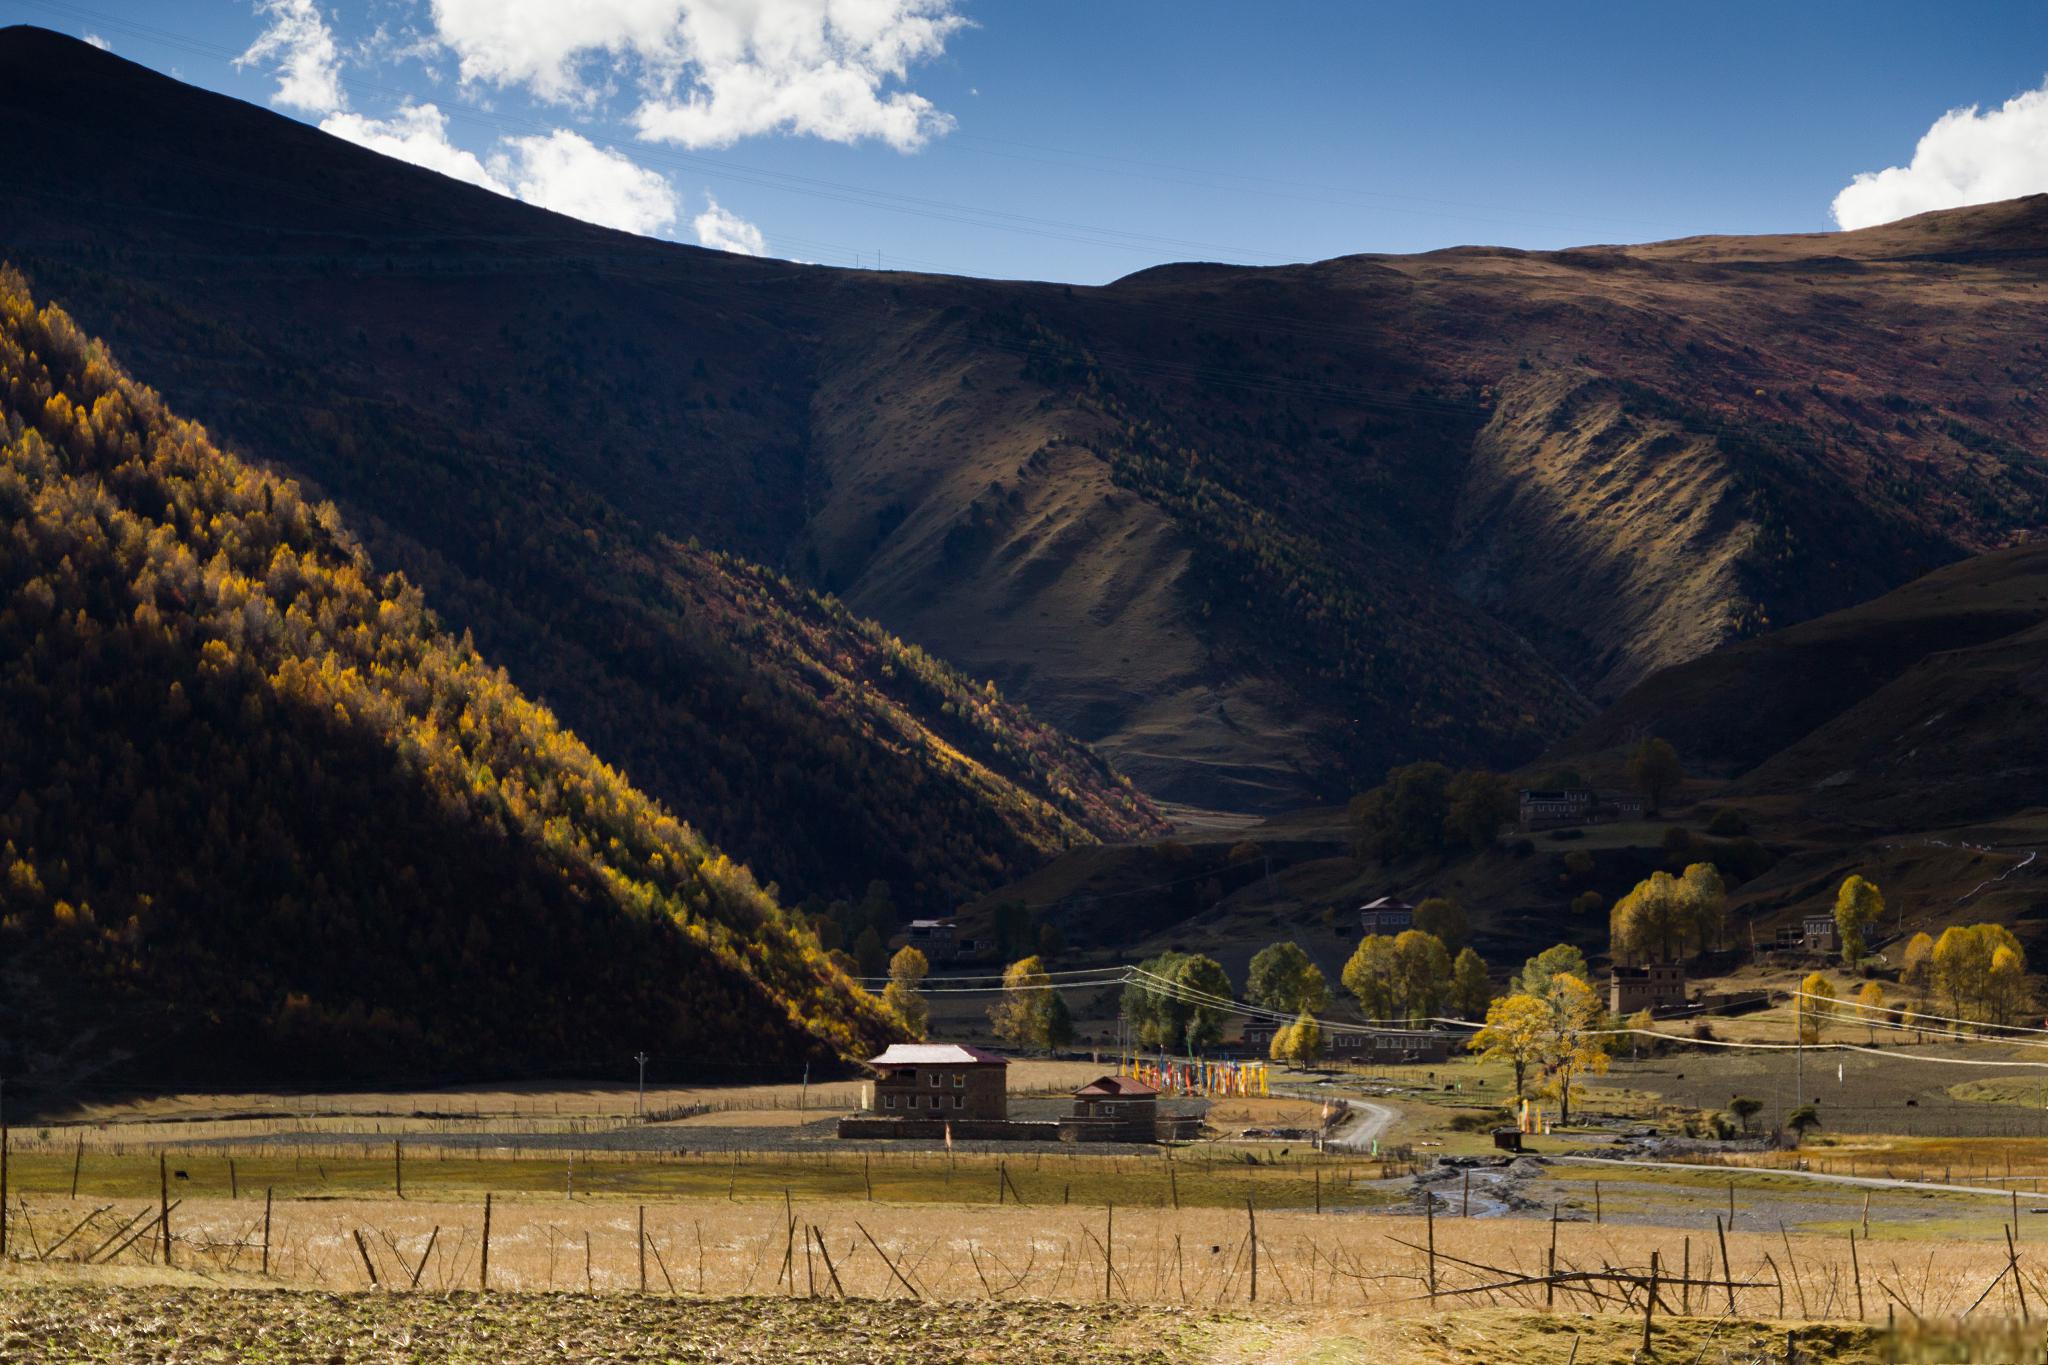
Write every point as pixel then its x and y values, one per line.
pixel 1254 534
pixel 260 804
pixel 1918 709
pixel 542 471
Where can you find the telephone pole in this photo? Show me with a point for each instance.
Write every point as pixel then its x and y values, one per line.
pixel 640 1104
pixel 1799 1049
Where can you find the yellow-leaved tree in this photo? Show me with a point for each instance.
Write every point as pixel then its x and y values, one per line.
pixel 1575 1044
pixel 1858 905
pixel 1024 1016
pixel 1870 1004
pixel 1514 1032
pixel 906 973
pixel 1305 1040
pixel 1815 1004
pixel 1970 974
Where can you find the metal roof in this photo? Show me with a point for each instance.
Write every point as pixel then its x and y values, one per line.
pixel 936 1054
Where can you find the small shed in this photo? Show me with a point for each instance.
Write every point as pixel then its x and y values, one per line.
pixel 1113 1109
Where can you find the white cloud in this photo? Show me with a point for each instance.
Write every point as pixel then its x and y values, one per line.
pixel 1966 157
pixel 560 170
pixel 417 133
pixel 710 72
pixel 567 173
pixel 300 47
pixel 721 229
pixel 97 41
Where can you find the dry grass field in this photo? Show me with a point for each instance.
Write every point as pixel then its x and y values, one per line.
pixel 902 1284
pixel 1190 1257
pixel 912 1254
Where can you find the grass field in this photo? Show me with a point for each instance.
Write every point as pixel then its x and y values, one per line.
pixel 915 1255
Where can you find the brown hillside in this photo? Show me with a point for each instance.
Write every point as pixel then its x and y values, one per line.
pixel 1255 533
pixel 1914 710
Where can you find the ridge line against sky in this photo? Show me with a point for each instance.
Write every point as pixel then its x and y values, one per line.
pixel 1063 142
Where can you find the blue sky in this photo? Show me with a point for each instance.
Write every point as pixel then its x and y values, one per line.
pixel 1083 141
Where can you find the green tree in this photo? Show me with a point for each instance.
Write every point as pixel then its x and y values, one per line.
pixel 1471 988
pixel 1800 1121
pixel 1051 942
pixel 1858 905
pixel 1281 977
pixel 1744 1108
pixel 1477 805
pixel 1444 917
pixel 1059 1023
pixel 1405 817
pixel 1014 932
pixel 1539 971
pixel 1208 994
pixel 1655 770
pixel 907 971
pixel 1152 1009
pixel 871 953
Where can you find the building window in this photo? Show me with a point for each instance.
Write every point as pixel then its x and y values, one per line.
pixel 935 1080
pixel 959 1079
pixel 959 1101
pixel 888 1101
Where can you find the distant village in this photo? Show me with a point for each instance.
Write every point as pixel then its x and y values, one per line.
pixel 1423 996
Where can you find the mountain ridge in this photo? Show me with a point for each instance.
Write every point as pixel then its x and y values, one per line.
pixel 1255 534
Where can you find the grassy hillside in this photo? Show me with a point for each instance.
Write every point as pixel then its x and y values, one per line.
pixel 1912 710
pixel 261 804
pixel 1255 534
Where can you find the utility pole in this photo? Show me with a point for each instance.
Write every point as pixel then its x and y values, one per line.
pixel 803 1097
pixel 1799 1049
pixel 640 1104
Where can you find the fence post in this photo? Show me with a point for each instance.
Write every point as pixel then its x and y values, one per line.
pixel 1649 1303
pixel 483 1270
pixel 1252 1219
pixel 266 1230
pixel 163 1203
pixel 1108 1250
pixel 1550 1265
pixel 1727 1269
pixel 643 1252
pixel 1429 1223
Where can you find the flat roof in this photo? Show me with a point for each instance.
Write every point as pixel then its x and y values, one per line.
pixel 937 1054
